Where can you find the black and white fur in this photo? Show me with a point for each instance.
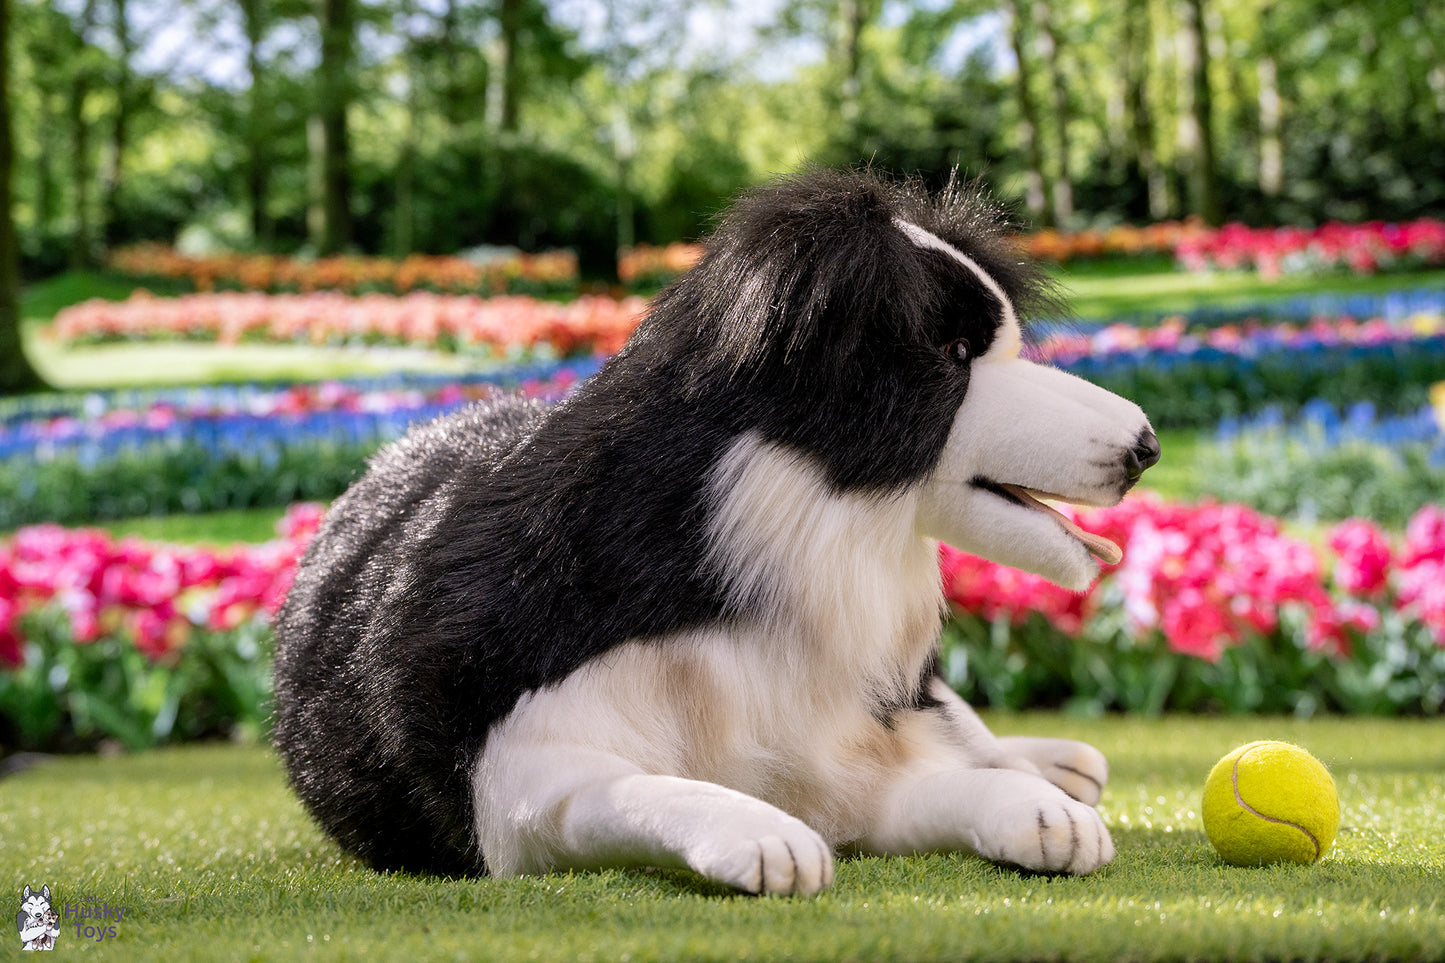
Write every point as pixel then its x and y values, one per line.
pixel 689 617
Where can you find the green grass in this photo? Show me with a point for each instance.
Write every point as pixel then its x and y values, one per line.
pixel 215 860
pixel 186 363
pixel 40 300
pixel 1113 289
pixel 213 528
pixel 1176 477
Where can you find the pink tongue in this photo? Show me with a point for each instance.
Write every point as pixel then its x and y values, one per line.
pixel 1107 551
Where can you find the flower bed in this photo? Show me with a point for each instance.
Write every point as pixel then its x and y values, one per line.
pixel 1179 337
pixel 549 272
pixel 1331 463
pixel 1396 306
pixel 1359 248
pixel 489 326
pixel 650 266
pixel 1213 608
pixel 104 638
pixel 1195 378
pixel 1123 240
pixel 224 447
pixel 1183 374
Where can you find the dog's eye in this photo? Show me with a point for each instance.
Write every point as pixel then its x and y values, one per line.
pixel 957 351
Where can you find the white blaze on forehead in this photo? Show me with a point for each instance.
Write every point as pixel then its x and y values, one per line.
pixel 1009 338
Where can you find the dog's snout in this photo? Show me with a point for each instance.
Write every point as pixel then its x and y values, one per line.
pixel 1144 454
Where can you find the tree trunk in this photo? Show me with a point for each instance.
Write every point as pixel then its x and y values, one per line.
pixel 47 191
pixel 1062 194
pixel 623 150
pixel 1271 146
pixel 509 22
pixel 403 240
pixel 1434 68
pixel 315 181
pixel 854 17
pixel 49 128
pixel 1034 196
pixel 115 154
pixel 453 101
pixel 338 28
pixel 1141 165
pixel 403 235
pixel 1197 124
pixel 82 235
pixel 258 127
pixel 16 373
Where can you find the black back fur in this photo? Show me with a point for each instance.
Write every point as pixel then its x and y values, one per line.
pixel 497 550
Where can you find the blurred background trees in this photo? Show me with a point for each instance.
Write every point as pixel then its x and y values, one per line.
pixel 392 126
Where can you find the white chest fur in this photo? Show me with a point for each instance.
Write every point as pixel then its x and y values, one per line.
pixel 789 704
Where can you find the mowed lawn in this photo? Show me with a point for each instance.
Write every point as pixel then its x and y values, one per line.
pixel 213 859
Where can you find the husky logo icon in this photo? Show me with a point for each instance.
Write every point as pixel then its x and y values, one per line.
pixel 39 925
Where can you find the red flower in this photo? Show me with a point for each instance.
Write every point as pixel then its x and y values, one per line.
pixel 1362 565
pixel 10 651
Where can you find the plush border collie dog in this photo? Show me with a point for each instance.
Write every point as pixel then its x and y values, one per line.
pixel 689 617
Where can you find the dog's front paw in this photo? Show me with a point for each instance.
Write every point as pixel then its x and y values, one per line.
pixel 1075 767
pixel 1051 834
pixel 763 850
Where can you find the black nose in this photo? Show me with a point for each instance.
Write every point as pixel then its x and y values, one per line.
pixel 1144 453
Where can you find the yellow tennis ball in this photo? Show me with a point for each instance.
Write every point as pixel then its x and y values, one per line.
pixel 1270 802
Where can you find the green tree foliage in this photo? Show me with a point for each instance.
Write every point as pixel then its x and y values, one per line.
pixel 439 125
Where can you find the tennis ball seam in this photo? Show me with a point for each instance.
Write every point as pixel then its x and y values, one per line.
pixel 1234 778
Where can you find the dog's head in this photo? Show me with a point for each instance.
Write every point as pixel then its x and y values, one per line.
pixel 877 328
pixel 33 903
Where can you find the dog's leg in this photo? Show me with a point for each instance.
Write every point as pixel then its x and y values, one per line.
pixel 1075 767
pixel 1001 814
pixel 544 808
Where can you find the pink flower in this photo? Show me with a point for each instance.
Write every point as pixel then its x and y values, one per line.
pixel 1424 537
pixel 1362 564
pixel 10 649
pixel 152 633
pixel 1197 625
pixel 301 521
pixel 992 591
pixel 1422 592
pixel 1330 627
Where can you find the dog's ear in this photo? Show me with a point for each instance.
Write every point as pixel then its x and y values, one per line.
pixel 45 892
pixel 27 894
pixel 799 268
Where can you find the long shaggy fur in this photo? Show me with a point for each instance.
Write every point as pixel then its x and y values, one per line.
pixel 496 552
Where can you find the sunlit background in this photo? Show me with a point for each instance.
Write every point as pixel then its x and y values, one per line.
pixel 439 125
pixel 245 243
pixel 257 240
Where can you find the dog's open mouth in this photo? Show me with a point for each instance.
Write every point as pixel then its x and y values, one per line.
pixel 1106 551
